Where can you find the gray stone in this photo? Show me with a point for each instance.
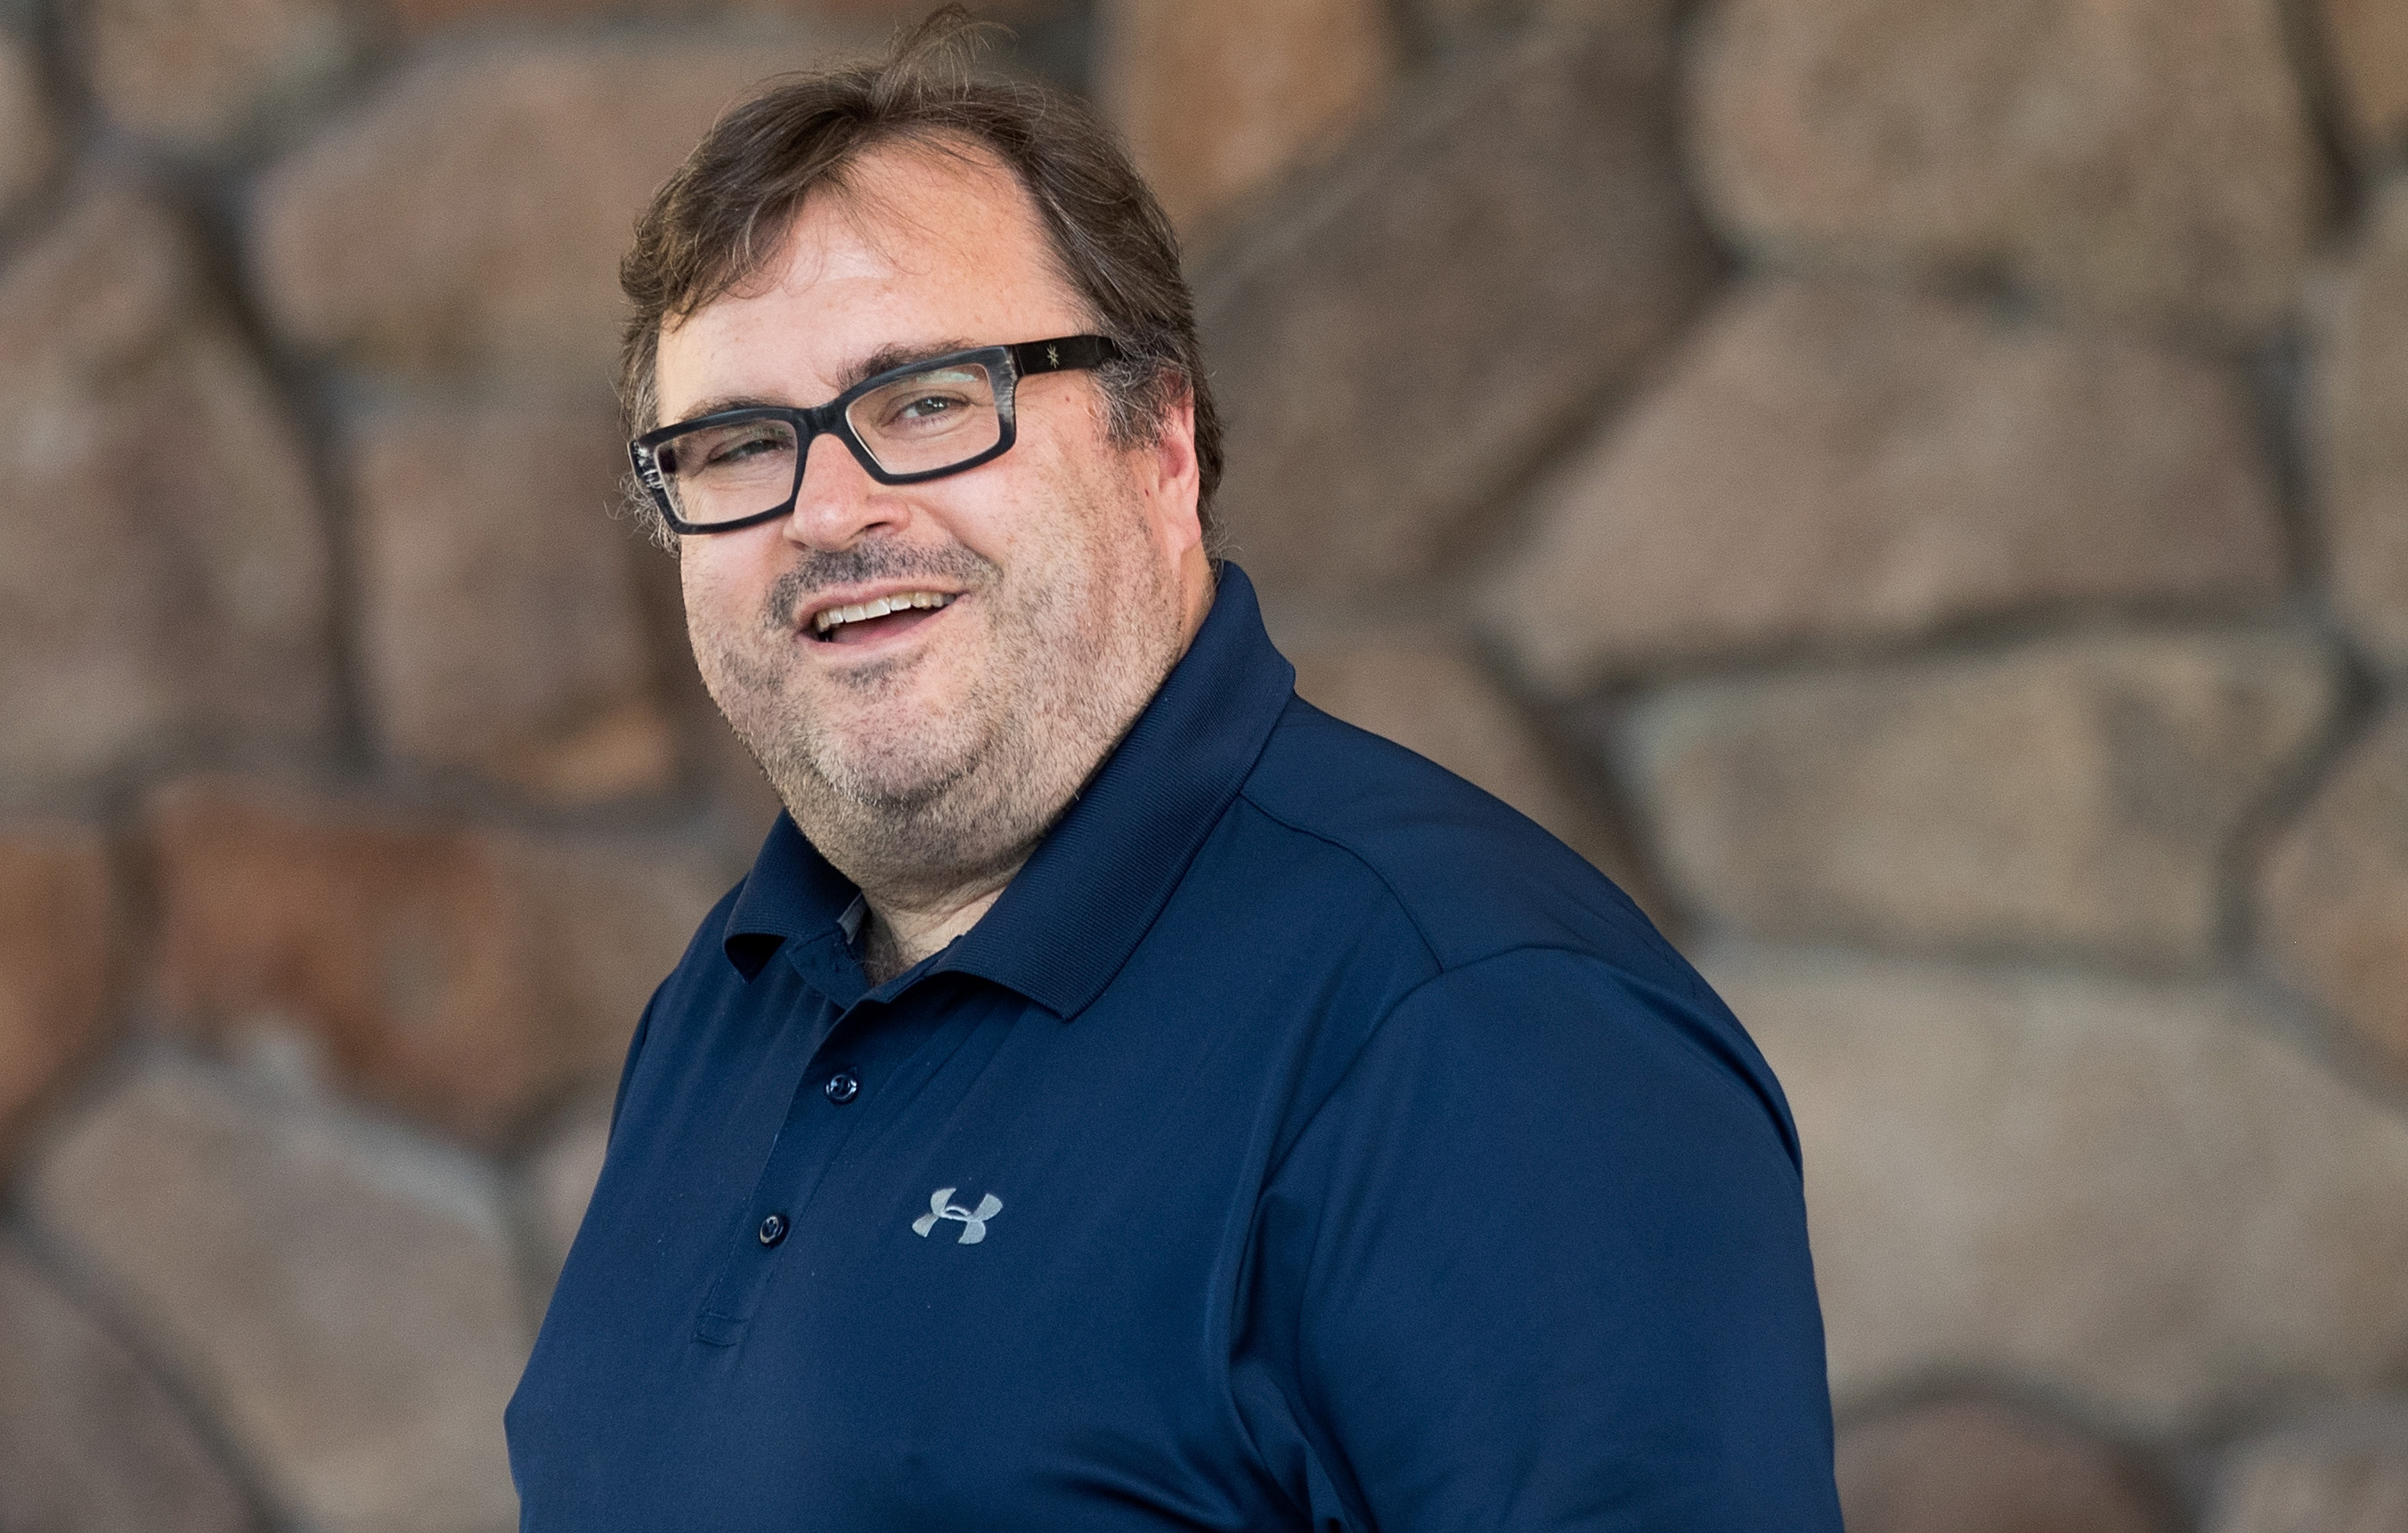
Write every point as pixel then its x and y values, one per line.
pixel 164 573
pixel 89 1442
pixel 1423 692
pixel 29 144
pixel 2367 41
pixel 500 627
pixel 2146 157
pixel 2349 1476
pixel 471 214
pixel 464 974
pixel 1507 249
pixel 2360 401
pixel 1833 464
pixel 200 74
pixel 2141 1197
pixel 342 1297
pixel 1219 100
pixel 2080 795
pixel 1966 1465
pixel 560 1177
pixel 58 940
pixel 2334 899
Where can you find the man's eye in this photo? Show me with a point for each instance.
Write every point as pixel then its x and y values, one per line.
pixel 930 407
pixel 743 449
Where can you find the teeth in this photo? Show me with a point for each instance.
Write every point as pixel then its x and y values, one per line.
pixel 878 607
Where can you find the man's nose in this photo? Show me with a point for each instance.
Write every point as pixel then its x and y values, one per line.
pixel 838 500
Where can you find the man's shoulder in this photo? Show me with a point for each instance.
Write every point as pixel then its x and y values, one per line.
pixel 1474 875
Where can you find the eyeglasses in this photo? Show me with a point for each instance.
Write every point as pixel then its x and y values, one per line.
pixel 736 468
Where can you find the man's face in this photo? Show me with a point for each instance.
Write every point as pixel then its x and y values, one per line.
pixel 925 751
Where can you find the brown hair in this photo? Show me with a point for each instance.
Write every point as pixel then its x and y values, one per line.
pixel 714 222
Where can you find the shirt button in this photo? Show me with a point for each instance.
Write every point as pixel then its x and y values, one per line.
pixel 841 1087
pixel 773 1229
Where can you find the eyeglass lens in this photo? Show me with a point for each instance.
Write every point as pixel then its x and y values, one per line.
pixel 921 423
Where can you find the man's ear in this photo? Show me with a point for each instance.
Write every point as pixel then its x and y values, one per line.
pixel 1171 480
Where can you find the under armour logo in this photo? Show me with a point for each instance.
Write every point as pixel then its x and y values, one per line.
pixel 974 1220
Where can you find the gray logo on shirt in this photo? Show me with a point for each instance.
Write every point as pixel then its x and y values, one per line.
pixel 974 1220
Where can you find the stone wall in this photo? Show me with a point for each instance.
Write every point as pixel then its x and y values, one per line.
pixel 1917 488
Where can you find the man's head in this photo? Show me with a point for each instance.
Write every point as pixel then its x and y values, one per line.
pixel 1040 595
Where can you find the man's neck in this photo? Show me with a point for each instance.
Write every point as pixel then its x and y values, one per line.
pixel 898 936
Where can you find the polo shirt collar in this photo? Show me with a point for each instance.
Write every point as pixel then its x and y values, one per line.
pixel 1072 915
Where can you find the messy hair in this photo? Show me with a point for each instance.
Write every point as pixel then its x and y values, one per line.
pixel 723 214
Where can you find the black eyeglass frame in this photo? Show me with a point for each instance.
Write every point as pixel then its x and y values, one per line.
pixel 1006 365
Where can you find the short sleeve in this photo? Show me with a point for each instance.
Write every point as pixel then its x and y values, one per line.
pixel 1540 1262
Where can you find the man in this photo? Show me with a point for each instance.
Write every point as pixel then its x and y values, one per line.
pixel 1120 1096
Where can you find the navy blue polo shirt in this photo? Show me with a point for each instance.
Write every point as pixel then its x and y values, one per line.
pixel 1304 1140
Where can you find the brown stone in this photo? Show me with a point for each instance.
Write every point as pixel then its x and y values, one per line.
pixel 340 1297
pixel 1424 692
pixel 1510 246
pixel 164 574
pixel 472 213
pixel 2079 795
pixel 1976 1467
pixel 2335 898
pixel 1220 100
pixel 424 16
pixel 200 73
pixel 2348 1477
pixel 2150 157
pixel 1832 465
pixel 2144 1198
pixel 2361 399
pixel 501 629
pixel 28 144
pixel 89 1442
pixel 57 940
pixel 462 974
pixel 2367 41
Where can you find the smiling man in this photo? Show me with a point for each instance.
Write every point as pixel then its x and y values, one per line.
pixel 1119 1096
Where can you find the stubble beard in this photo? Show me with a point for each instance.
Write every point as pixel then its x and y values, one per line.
pixel 916 809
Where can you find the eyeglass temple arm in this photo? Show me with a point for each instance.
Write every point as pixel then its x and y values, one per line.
pixel 1063 354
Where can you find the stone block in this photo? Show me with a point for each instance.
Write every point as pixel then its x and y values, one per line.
pixel 2367 42
pixel 2145 157
pixel 1423 692
pixel 2349 1476
pixel 2334 901
pixel 2075 795
pixel 471 214
pixel 467 975
pixel 1218 101
pixel 164 571
pixel 2360 433
pixel 28 145
pixel 58 940
pixel 1831 465
pixel 1969 1465
pixel 90 1440
pixel 1505 250
pixel 501 629
pixel 340 1298
pixel 203 74
pixel 2143 1198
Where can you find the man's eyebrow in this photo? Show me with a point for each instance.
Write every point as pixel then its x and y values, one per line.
pixel 884 359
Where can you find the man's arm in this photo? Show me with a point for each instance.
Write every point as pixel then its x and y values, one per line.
pixel 1540 1262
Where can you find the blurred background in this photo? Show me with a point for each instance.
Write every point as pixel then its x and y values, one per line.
pixel 1915 489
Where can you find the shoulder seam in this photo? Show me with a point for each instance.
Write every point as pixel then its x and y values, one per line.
pixel 1404 908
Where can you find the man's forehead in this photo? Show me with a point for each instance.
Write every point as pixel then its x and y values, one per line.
pixel 914 249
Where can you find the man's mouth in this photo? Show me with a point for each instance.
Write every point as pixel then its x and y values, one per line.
pixel 878 616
